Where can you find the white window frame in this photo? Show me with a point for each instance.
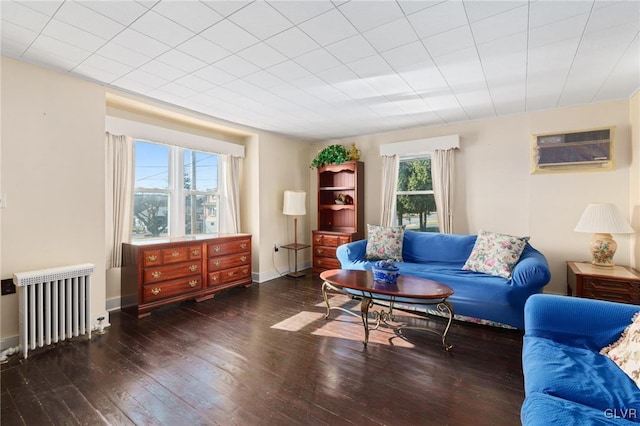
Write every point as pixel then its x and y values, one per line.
pixel 421 156
pixel 176 191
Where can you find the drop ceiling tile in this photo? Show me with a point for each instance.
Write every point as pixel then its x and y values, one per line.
pixel 48 7
pixel 624 79
pixel 262 55
pixel 390 35
pixel 509 98
pixel 132 85
pixel 124 12
pixel 261 20
pixel 23 16
pixel 298 12
pixel 18 35
pixel 547 12
pixel 89 20
pixel 441 17
pixel 476 103
pixel 192 15
pixel 346 81
pixel 292 43
pixel 263 79
pixel 371 67
pixel 123 55
pixel 288 71
pixel 73 35
pixel 412 6
pixel 390 85
pixel 615 15
pixel 504 48
pixel 407 55
pixel 96 64
pixel 226 8
pixel 229 35
pixel 449 41
pixel 425 78
pixel 557 31
pixel 235 65
pixel 12 48
pixel 179 90
pixel 214 75
pixel 317 61
pixel 505 24
pixel 162 70
pixel 479 10
pixel 162 29
pixel 351 49
pixel 328 28
pixel 145 77
pixel 367 15
pixel 140 43
pixel 181 61
pixel 195 83
pixel 462 69
pixel 59 48
pixel 203 49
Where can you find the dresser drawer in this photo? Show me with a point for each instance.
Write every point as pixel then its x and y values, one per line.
pixel 171 288
pixel 152 258
pixel 611 296
pixel 596 283
pixel 181 254
pixel 228 247
pixel 324 251
pixel 163 273
pixel 224 262
pixel 234 274
pixel 326 263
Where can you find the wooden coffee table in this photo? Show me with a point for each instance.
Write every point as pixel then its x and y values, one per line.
pixel 408 290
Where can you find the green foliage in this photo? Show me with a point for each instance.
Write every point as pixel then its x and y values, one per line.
pixel 151 210
pixel 333 154
pixel 415 175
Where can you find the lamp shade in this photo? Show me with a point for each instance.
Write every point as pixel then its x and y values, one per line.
pixel 603 219
pixel 294 203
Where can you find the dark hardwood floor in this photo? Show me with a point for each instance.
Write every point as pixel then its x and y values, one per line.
pixel 265 356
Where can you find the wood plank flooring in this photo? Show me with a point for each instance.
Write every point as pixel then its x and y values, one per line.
pixel 265 355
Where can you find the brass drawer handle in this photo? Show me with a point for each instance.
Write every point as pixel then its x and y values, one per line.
pixel 319 262
pixel 214 278
pixel 243 258
pixel 231 273
pixel 156 274
pixel 175 254
pixel 152 258
pixel 193 268
pixel 318 240
pixel 217 249
pixel 155 291
pixel 195 252
pixel 217 262
pixel 245 271
pixel 243 245
pixel 319 251
pixel 193 283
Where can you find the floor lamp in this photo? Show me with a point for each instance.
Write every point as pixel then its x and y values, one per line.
pixel 294 205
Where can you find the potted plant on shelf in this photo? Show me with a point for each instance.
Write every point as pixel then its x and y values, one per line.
pixel 333 154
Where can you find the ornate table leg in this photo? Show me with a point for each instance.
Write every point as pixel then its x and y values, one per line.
pixel 364 309
pixel 443 307
pixel 326 299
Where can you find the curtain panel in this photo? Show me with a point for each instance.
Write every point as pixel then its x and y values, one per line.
pixel 230 197
pixel 390 165
pixel 442 175
pixel 119 192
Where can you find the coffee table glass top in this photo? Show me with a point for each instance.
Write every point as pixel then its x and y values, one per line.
pixel 406 286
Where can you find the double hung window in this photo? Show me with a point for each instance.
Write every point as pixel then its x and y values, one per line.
pixel 176 191
pixel 415 202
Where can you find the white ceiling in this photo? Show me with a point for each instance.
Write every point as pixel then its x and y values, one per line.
pixel 320 69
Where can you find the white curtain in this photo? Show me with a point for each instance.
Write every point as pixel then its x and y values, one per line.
pixel 390 164
pixel 442 175
pixel 230 198
pixel 119 169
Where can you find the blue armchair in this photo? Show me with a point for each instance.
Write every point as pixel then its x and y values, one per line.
pixel 567 381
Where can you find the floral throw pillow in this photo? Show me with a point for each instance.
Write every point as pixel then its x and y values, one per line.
pixel 384 242
pixel 495 254
pixel 625 352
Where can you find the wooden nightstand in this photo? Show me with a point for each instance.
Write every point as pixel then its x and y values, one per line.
pixel 617 284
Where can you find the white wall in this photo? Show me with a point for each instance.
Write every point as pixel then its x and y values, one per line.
pixel 495 190
pixel 634 190
pixel 53 175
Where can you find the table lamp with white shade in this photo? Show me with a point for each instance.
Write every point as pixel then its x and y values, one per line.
pixel 295 205
pixel 602 220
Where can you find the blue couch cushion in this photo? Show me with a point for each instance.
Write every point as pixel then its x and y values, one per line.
pixel 426 247
pixel 545 410
pixel 579 375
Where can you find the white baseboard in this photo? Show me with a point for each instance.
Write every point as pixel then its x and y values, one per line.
pixel 268 276
pixel 9 342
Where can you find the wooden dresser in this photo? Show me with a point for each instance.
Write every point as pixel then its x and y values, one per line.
pixel 617 284
pixel 325 244
pixel 157 273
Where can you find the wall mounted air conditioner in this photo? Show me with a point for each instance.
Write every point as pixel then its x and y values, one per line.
pixel 585 150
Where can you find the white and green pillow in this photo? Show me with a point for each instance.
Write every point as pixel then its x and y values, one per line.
pixel 384 242
pixel 495 253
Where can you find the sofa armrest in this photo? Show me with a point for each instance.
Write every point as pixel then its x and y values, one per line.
pixel 532 270
pixel 352 252
pixel 586 323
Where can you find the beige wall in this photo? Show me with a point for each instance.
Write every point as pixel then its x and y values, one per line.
pixel 53 175
pixel 634 190
pixel 495 190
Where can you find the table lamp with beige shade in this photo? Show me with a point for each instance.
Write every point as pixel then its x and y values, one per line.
pixel 602 220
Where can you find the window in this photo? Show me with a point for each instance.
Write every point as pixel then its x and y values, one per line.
pixel 176 191
pixel 416 205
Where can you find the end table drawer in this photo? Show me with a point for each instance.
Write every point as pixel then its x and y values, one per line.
pixel 324 251
pixel 611 296
pixel 326 263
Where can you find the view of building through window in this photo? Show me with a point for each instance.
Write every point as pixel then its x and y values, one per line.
pixel 416 206
pixel 166 176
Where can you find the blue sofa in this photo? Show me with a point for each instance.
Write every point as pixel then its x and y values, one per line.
pixel 567 382
pixel 440 257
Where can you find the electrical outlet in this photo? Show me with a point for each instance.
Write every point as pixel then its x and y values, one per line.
pixel 8 287
pixel 276 247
